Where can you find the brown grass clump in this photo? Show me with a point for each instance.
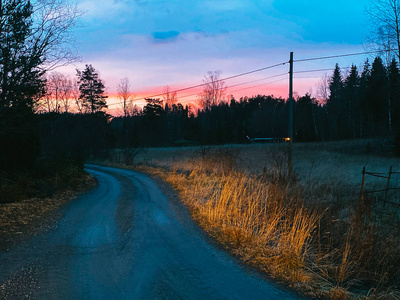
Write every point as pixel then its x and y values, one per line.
pixel 338 293
pixel 252 217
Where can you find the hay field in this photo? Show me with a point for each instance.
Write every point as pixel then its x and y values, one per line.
pixel 337 163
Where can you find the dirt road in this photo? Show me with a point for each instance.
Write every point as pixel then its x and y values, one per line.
pixel 126 240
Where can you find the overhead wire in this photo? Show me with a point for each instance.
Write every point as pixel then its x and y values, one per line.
pixel 222 79
pixel 339 55
pixel 249 87
pixel 262 69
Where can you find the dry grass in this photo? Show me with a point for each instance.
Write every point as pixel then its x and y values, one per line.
pixel 311 231
pixel 252 217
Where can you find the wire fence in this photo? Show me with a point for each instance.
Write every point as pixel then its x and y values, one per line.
pixel 388 177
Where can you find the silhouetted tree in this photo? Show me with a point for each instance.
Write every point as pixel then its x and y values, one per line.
pixel 32 34
pixel 351 103
pixel 153 109
pixel 67 86
pixel 154 123
pixel 125 96
pixel 214 90
pixel 75 135
pixel 334 103
pixel 377 97
pixel 58 94
pixel 21 79
pixel 384 16
pixel 169 98
pixel 34 37
pixel 91 89
pixel 323 89
pixel 363 93
pixel 305 127
pixel 394 79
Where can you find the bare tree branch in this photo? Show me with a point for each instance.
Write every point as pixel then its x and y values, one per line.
pixel 384 17
pixel 169 98
pixel 214 90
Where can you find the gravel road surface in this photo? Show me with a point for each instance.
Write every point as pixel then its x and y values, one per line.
pixel 126 240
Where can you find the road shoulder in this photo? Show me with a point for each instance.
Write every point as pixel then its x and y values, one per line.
pixel 22 220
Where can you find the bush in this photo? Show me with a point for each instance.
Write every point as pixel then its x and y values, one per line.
pixel 19 140
pixel 47 177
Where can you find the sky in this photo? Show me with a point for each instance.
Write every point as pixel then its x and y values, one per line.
pixel 158 43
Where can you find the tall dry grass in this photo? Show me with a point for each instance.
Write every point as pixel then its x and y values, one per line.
pixel 254 218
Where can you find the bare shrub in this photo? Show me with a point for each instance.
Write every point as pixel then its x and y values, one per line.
pixel 276 168
pixel 124 156
pixel 218 160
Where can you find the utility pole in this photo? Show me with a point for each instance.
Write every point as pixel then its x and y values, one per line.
pixel 290 159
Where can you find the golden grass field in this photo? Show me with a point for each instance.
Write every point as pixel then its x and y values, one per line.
pixel 312 230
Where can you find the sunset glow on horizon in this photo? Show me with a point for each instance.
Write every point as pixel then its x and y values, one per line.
pixel 163 43
pixel 189 97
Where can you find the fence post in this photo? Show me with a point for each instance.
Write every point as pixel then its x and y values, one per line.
pixel 387 185
pixel 362 184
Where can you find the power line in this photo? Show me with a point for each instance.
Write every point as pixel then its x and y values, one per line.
pixel 269 77
pixel 239 84
pixel 262 69
pixel 319 70
pixel 228 87
pixel 307 77
pixel 312 71
pixel 340 55
pixel 249 87
pixel 222 79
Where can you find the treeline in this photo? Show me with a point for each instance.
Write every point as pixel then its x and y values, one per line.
pixel 364 103
pixel 359 104
pixel 235 121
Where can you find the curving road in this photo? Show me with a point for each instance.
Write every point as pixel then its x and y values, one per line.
pixel 126 240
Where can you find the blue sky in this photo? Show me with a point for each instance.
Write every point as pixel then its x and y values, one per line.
pixel 158 43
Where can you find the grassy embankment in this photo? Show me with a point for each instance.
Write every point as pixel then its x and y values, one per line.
pixel 310 231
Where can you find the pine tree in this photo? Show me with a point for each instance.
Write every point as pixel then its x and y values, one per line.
pixel 351 99
pixel 91 89
pixel 377 97
pixel 153 109
pixel 21 84
pixel 334 103
pixel 394 78
pixel 362 94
